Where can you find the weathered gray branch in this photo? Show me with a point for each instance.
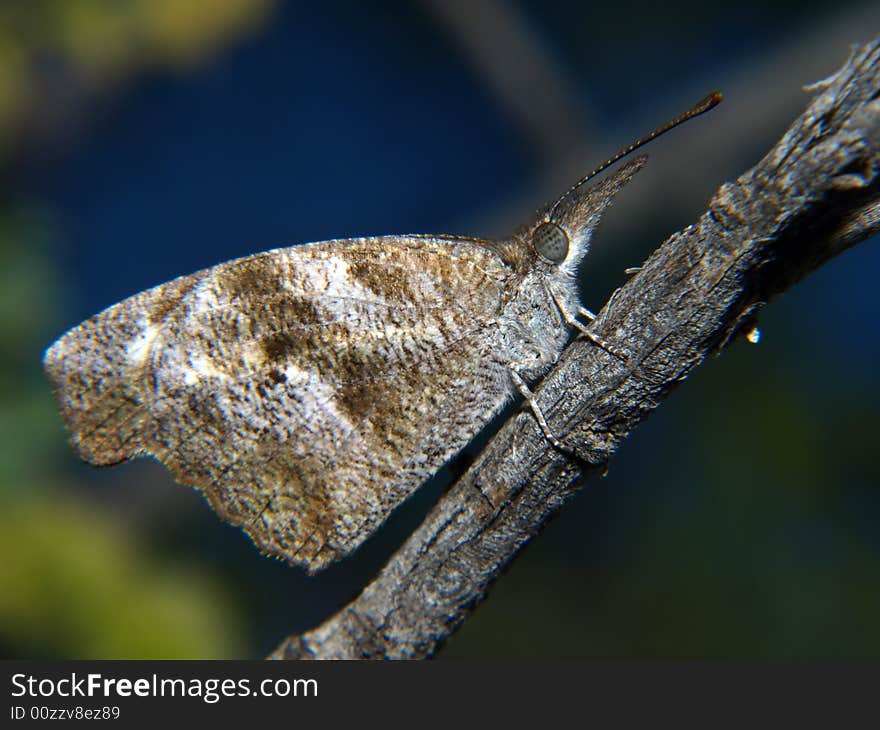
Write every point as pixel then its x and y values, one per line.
pixel 815 194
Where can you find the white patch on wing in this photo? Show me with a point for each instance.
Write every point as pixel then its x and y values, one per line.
pixel 252 354
pixel 296 376
pixel 138 349
pixel 334 288
pixel 318 396
pixel 204 299
pixel 201 367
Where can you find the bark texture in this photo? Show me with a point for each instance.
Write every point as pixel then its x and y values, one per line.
pixel 815 194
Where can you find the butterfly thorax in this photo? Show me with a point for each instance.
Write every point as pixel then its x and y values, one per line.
pixel 532 331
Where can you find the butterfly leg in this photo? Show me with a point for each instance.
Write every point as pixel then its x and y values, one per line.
pixel 529 396
pixel 586 314
pixel 572 321
pixel 589 334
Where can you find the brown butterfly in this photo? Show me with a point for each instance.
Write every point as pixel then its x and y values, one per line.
pixel 307 391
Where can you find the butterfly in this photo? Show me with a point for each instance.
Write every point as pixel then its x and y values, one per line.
pixel 307 391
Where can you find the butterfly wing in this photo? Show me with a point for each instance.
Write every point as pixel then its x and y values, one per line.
pixel 306 391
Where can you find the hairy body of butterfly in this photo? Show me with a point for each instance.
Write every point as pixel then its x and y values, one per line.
pixel 308 390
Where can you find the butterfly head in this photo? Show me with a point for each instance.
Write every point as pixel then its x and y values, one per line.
pixel 560 236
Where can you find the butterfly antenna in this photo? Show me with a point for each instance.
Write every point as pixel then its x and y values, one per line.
pixel 702 106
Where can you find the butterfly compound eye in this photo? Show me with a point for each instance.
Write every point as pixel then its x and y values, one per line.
pixel 551 242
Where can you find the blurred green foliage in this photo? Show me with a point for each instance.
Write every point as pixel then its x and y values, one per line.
pixel 28 293
pixel 81 586
pixel 94 44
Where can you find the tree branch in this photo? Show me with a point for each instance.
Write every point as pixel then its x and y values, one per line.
pixel 815 194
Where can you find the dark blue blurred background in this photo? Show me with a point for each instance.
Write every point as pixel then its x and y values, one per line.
pixel 145 139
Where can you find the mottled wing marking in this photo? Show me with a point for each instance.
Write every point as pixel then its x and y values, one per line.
pixel 301 388
pixel 98 369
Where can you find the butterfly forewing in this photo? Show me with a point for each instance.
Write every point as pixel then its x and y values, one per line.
pixel 306 391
